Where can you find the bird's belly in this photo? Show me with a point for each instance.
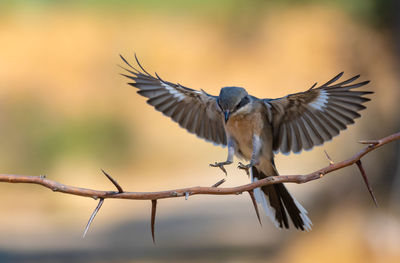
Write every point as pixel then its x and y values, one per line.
pixel 241 129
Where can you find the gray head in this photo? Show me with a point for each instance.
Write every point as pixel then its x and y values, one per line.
pixel 232 99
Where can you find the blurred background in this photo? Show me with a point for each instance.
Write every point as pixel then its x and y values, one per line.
pixel 65 112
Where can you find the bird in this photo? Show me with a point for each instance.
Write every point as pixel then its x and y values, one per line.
pixel 255 129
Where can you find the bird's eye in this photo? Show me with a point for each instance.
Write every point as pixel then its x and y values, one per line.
pixel 243 102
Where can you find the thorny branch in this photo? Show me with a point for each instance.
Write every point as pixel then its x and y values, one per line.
pixel 198 190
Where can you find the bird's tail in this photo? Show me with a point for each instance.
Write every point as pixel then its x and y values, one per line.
pixel 276 201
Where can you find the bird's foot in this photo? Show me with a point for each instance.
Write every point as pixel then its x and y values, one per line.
pixel 221 165
pixel 245 167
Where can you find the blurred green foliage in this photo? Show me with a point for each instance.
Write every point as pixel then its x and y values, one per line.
pixel 375 12
pixel 40 138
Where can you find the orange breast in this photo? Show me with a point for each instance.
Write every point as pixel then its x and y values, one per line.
pixel 242 127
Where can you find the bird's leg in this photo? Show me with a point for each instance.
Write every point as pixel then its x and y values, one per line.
pixel 229 160
pixel 254 156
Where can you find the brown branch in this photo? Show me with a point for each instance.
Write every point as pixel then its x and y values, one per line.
pixel 197 190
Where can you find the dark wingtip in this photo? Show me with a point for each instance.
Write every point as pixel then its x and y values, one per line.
pixel 159 78
pixel 130 71
pixel 313 86
pixel 126 62
pixel 137 61
pixel 127 76
pixel 335 78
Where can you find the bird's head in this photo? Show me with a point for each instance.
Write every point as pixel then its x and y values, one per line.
pixel 231 100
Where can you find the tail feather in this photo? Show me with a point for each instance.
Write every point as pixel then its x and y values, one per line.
pixel 276 201
pixel 304 216
pixel 268 209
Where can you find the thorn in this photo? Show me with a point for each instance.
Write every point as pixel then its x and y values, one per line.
pixel 253 199
pixel 364 175
pixel 219 183
pixel 328 157
pixel 42 176
pixel 101 201
pixel 153 217
pixel 187 195
pixel 115 183
pixel 370 142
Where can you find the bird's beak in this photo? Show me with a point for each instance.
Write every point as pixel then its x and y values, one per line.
pixel 227 113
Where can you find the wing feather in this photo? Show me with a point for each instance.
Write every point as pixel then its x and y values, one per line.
pixel 305 136
pixel 305 119
pixel 297 143
pixel 196 111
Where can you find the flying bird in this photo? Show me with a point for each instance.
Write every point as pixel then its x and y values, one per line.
pixel 256 129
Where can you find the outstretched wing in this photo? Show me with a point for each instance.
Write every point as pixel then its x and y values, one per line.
pixel 302 120
pixel 196 111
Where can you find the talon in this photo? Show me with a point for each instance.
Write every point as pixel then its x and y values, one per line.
pixel 245 167
pixel 224 170
pixel 221 166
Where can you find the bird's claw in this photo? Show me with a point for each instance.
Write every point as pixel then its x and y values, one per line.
pixel 245 167
pixel 221 166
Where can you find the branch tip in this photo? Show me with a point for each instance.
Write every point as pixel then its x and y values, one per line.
pixel 329 158
pixel 113 181
pixel 364 176
pixel 153 217
pixel 101 201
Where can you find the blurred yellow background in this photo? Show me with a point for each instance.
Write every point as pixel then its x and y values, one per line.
pixel 66 112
